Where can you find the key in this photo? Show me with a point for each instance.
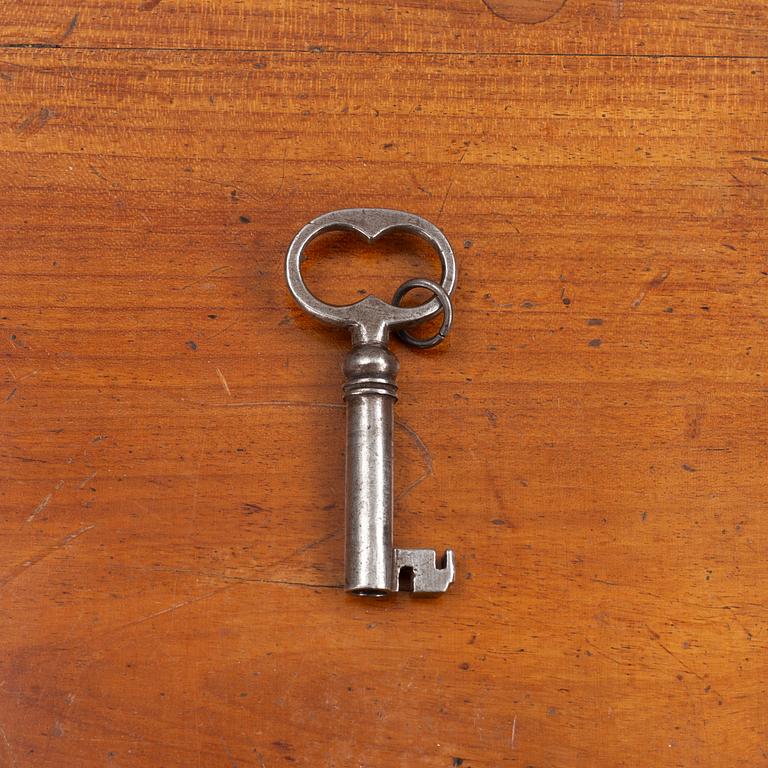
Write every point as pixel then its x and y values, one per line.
pixel 374 567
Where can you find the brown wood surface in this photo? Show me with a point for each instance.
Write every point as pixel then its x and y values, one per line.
pixel 592 27
pixel 592 440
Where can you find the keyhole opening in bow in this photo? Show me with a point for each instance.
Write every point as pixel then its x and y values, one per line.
pixel 343 268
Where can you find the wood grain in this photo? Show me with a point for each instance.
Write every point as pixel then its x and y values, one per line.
pixel 591 441
pixel 585 27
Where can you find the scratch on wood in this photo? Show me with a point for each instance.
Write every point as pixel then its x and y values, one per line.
pixel 606 582
pixel 172 608
pixel 97 173
pixel 35 122
pixel 72 536
pixel 87 479
pixel 450 185
pixel 27 564
pixel 605 655
pixel 233 581
pixel 240 189
pixel 312 545
pixel 655 283
pixel 514 733
pixel 207 274
pixel 230 756
pixel 227 577
pixel 223 382
pixel 425 454
pixel 287 583
pixel 282 180
pixel 275 404
pixel 223 330
pixel 8 747
pixel 656 637
pixel 489 297
pixel 71 27
pixel 197 473
pixel 40 507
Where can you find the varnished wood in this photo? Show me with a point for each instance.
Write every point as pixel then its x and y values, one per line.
pixel 591 440
pixel 586 27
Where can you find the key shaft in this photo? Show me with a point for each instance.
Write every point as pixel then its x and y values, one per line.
pixel 370 393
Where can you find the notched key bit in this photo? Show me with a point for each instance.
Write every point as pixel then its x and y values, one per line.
pixel 374 567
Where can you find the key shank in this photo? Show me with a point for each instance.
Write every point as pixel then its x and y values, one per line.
pixel 370 392
pixel 373 566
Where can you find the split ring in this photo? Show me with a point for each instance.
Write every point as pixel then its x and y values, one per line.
pixel 445 304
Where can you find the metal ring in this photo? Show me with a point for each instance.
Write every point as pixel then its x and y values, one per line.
pixel 445 304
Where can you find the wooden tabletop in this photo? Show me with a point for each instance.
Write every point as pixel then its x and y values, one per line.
pixel 592 440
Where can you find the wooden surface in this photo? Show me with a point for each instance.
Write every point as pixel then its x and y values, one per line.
pixel 592 441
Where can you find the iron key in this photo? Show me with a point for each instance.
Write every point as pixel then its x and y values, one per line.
pixel 374 567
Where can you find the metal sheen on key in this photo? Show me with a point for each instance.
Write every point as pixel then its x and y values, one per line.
pixel 373 565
